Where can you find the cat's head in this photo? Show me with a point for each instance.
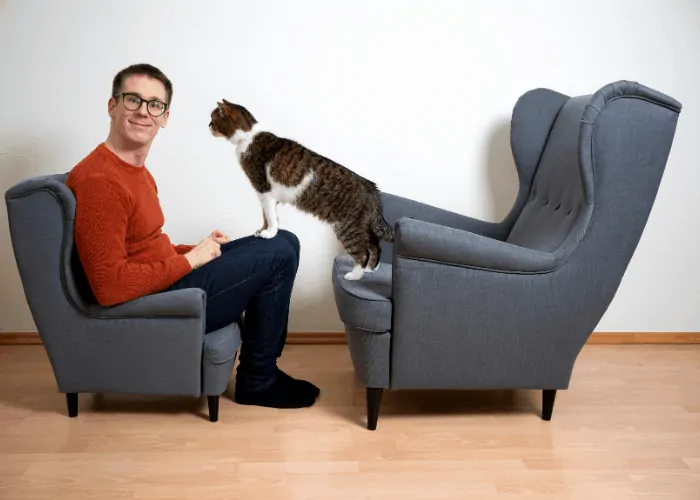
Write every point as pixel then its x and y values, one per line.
pixel 231 121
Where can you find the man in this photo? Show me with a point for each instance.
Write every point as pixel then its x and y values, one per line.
pixel 126 255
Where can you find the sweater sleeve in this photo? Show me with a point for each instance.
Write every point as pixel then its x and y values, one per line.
pixel 183 249
pixel 102 211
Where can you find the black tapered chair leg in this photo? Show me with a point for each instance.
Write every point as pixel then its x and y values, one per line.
pixel 374 401
pixel 548 396
pixel 72 401
pixel 213 402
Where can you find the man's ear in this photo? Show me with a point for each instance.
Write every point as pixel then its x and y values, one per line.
pixel 111 105
pixel 164 118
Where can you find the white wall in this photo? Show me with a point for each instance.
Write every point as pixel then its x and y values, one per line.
pixel 413 94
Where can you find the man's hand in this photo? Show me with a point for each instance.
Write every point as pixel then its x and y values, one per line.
pixel 219 237
pixel 205 251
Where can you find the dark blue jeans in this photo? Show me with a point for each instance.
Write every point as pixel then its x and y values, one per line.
pixel 254 275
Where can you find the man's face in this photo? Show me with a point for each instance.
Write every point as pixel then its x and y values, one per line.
pixel 136 124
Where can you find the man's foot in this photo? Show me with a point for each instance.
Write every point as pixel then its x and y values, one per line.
pixel 285 392
pixel 310 388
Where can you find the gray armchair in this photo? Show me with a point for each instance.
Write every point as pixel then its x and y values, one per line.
pixel 151 345
pixel 459 303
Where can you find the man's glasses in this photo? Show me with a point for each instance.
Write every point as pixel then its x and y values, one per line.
pixel 132 102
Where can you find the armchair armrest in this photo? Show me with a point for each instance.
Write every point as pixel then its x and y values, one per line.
pixel 186 303
pixel 395 207
pixel 422 240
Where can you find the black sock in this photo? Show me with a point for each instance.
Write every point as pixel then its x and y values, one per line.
pixel 307 386
pixel 285 392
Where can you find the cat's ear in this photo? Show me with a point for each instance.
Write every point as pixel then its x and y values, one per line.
pixel 222 107
pixel 228 103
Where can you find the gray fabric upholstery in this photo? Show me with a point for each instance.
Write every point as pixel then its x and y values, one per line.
pixel 220 348
pixel 533 117
pixel 151 345
pixel 370 355
pixel 556 197
pixel 396 207
pixel 367 304
pixel 471 304
pixel 420 240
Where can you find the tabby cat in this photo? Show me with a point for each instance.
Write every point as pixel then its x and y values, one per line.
pixel 283 171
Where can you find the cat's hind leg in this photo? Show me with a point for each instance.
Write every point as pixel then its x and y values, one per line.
pixel 356 273
pixel 355 243
pixel 374 253
pixel 359 256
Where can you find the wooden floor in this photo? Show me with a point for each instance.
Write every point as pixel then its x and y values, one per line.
pixel 628 428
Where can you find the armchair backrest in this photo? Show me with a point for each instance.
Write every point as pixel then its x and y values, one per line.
pixel 556 197
pixel 41 212
pixel 600 166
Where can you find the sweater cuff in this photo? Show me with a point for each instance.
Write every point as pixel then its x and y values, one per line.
pixel 183 249
pixel 181 267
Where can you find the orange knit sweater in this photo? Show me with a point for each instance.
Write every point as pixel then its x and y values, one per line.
pixel 118 232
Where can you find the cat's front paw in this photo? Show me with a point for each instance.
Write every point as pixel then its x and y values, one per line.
pixel 266 233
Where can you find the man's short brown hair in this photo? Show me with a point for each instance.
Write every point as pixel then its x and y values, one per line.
pixel 146 70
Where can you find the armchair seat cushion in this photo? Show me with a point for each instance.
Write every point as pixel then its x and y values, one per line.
pixel 219 355
pixel 364 304
pixel 221 345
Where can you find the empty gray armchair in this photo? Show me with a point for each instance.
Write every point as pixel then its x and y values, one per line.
pixel 151 345
pixel 459 303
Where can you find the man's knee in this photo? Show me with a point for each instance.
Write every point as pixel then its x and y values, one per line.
pixel 285 248
pixel 292 239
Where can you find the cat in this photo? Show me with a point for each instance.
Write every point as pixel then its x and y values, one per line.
pixel 283 171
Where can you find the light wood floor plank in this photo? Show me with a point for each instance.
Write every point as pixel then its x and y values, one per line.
pixel 628 428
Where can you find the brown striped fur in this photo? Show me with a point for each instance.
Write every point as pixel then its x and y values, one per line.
pixel 283 171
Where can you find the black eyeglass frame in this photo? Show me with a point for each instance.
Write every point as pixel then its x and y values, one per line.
pixel 141 101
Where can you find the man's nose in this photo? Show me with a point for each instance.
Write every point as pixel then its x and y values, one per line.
pixel 142 108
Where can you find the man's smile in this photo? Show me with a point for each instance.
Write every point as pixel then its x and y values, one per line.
pixel 140 125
